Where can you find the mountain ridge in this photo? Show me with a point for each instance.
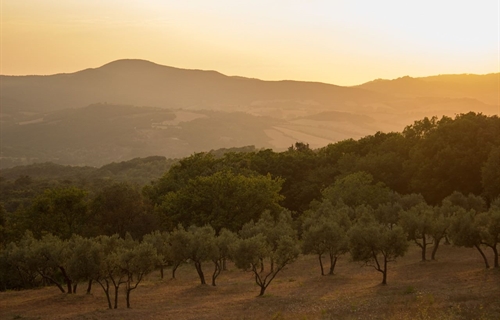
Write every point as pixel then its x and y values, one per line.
pixel 97 115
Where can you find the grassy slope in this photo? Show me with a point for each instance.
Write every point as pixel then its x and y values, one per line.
pixel 455 287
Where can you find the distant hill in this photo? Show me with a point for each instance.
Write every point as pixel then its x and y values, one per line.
pixel 483 88
pixel 143 83
pixel 135 108
pixel 103 133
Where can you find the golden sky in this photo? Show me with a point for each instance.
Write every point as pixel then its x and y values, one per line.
pixel 338 41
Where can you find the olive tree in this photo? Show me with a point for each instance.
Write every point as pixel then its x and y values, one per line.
pixel 136 261
pixel 465 231
pixel 110 272
pixel 268 239
pixel 17 256
pixel 222 251
pixel 418 223
pixel 325 232
pixel 248 254
pixel 201 247
pixel 178 241
pixel 376 244
pixel 51 258
pixel 489 229
pixel 272 229
pixel 160 241
pixel 84 260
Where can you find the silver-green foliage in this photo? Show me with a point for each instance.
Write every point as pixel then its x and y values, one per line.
pixel 325 232
pixel 376 244
pixel 269 240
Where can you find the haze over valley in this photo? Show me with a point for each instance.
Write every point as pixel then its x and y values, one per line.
pixel 136 108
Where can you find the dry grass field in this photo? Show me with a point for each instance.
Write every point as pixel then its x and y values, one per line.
pixel 457 286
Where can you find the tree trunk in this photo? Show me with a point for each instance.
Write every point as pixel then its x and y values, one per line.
pixel 89 287
pixel 116 297
pixel 161 272
pixel 482 254
pixel 424 248
pixel 128 298
pixel 333 262
pixel 67 280
pixel 321 264
pixel 495 251
pixel 106 291
pixel 51 280
pixel 262 290
pixel 384 272
pixel 200 272
pixel 174 268
pixel 74 287
pixel 435 249
pixel 109 298
pixel 217 271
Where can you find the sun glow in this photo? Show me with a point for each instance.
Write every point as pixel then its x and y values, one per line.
pixel 338 41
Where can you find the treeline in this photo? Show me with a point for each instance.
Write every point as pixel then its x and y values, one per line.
pixel 139 170
pixel 436 181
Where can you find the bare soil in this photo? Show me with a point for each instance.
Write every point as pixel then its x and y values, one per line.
pixel 457 286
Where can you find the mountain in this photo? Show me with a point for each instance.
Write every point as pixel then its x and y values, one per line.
pixel 483 88
pixel 135 108
pixel 139 82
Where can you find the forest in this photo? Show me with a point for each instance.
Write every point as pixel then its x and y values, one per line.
pixel 436 182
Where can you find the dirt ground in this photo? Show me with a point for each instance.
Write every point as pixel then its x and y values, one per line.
pixel 457 286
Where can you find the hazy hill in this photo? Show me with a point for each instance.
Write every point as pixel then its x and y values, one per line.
pixel 483 88
pixel 91 117
pixel 139 82
pixel 103 133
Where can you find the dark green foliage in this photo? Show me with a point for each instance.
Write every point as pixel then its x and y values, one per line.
pixel 490 174
pixel 62 212
pixel 223 199
pixel 358 189
pixel 121 208
pixel 137 170
pixel 199 164
pixel 448 154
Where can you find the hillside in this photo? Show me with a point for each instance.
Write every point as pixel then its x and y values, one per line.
pixel 102 133
pixel 135 108
pixel 483 88
pixel 455 287
pixel 139 82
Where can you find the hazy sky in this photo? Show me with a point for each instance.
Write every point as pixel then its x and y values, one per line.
pixel 343 42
